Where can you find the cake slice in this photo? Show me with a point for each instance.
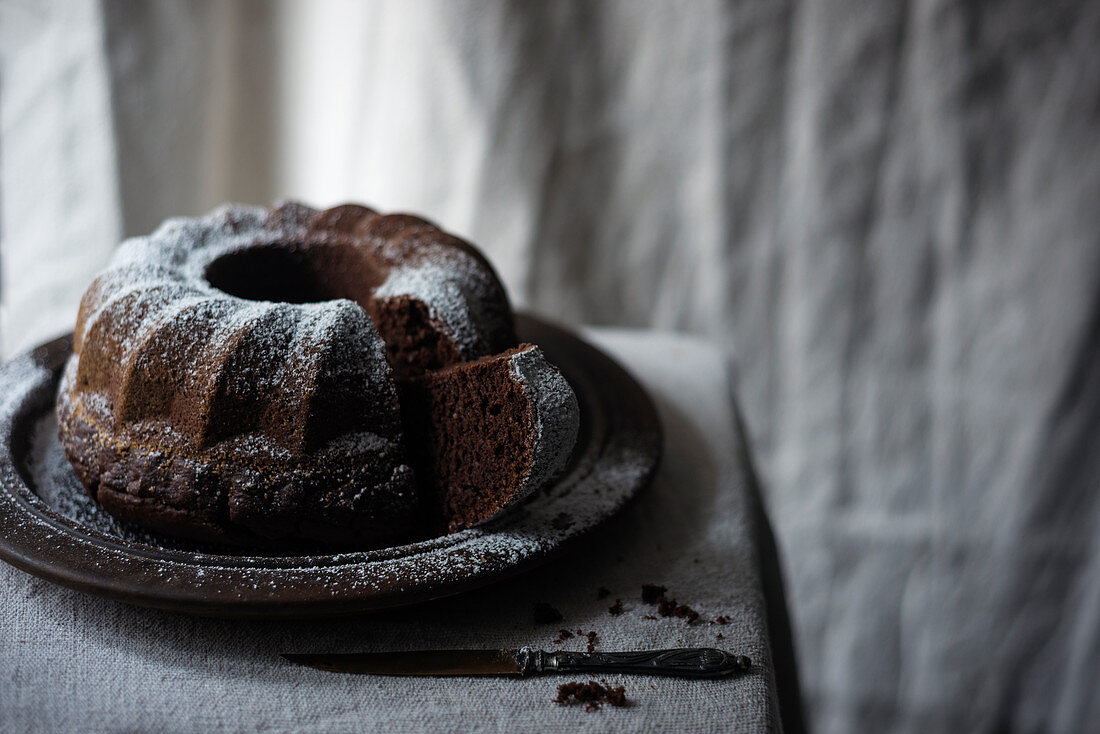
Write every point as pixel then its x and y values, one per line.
pixel 485 434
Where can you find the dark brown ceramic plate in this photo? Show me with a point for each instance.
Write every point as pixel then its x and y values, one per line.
pixel 50 528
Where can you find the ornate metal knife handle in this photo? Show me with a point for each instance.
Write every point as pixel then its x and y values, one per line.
pixel 689 662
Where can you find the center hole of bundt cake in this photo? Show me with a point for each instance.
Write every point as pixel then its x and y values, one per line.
pixel 313 272
pixel 293 273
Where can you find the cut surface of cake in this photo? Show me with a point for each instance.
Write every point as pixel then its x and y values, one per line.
pixel 471 429
pixel 260 376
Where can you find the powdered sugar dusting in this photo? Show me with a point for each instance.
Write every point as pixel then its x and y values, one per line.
pixel 155 293
pixel 556 414
pixel 455 288
pixel 160 311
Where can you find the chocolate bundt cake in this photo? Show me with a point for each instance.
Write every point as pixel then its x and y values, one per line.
pixel 260 376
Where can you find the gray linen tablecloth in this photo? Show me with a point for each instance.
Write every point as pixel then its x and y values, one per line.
pixel 71 662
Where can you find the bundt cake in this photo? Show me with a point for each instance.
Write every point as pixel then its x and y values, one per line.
pixel 263 376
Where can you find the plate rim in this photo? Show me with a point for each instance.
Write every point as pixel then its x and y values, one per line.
pixel 34 547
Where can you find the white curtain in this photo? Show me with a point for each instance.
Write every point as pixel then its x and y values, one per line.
pixel 888 211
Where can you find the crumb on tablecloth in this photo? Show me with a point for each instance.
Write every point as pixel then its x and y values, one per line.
pixel 592 694
pixel 670 608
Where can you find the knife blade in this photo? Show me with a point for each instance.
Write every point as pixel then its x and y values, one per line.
pixel 699 662
pixel 416 662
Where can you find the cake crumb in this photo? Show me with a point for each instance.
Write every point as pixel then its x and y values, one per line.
pixel 720 636
pixel 685 612
pixel 563 635
pixel 546 614
pixel 651 592
pixel 592 694
pixel 616 609
pixel 721 619
pixel 649 616
pixel 592 640
pixel 670 608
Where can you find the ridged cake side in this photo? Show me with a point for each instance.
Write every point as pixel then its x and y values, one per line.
pixel 555 416
pixel 202 414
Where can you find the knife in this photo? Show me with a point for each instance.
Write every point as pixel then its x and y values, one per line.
pixel 688 662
